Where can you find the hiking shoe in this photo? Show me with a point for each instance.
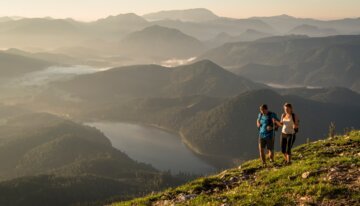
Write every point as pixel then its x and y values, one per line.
pixel 286 163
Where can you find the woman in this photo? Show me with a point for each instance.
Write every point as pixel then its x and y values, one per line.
pixel 290 126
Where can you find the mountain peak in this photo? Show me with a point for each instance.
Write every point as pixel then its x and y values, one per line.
pixel 285 16
pixel 127 17
pixel 159 32
pixel 205 65
pixel 188 15
pixel 162 43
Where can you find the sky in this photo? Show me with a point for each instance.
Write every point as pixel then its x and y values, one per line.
pixel 88 10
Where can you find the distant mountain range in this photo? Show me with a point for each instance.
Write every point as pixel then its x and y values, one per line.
pixel 248 35
pixel 43 33
pixel 294 60
pixel 285 23
pixel 313 31
pixel 191 15
pixel 208 30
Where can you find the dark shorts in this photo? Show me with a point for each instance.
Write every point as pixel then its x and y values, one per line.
pixel 267 142
pixel 287 142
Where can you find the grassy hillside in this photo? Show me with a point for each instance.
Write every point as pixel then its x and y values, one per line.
pixel 325 172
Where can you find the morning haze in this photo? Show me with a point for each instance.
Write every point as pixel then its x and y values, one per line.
pixel 87 10
pixel 168 103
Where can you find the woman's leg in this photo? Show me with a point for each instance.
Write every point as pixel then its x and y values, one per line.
pixel 291 140
pixel 283 142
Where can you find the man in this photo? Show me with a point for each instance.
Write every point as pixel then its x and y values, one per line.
pixel 267 122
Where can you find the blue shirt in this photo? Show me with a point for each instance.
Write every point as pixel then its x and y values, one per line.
pixel 266 120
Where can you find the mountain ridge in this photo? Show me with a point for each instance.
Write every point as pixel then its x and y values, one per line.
pixel 203 77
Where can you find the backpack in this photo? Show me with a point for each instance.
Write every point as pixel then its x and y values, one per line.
pixel 269 122
pixel 293 119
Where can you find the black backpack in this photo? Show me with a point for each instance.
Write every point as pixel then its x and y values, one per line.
pixel 293 118
pixel 269 122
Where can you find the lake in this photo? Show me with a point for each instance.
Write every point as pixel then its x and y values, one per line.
pixel 163 150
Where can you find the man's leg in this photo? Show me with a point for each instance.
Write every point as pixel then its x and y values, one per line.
pixel 271 155
pixel 270 147
pixel 261 151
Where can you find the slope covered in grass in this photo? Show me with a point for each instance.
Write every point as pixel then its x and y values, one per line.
pixel 325 172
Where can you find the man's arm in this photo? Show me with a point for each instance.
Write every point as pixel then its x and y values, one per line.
pixel 258 122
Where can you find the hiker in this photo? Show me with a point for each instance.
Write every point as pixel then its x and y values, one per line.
pixel 267 122
pixel 290 127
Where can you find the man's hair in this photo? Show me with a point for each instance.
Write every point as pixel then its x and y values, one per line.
pixel 264 106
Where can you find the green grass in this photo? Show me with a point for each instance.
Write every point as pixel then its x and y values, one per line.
pixel 277 184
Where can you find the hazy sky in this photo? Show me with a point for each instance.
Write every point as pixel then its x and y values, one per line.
pixel 93 9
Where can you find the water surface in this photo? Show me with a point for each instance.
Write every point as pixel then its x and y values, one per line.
pixel 164 150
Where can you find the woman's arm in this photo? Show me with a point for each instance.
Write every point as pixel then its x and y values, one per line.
pixel 276 120
pixel 280 124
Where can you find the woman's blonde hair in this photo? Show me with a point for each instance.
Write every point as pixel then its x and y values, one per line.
pixel 288 105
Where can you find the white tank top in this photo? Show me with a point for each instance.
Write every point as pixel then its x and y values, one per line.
pixel 288 127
